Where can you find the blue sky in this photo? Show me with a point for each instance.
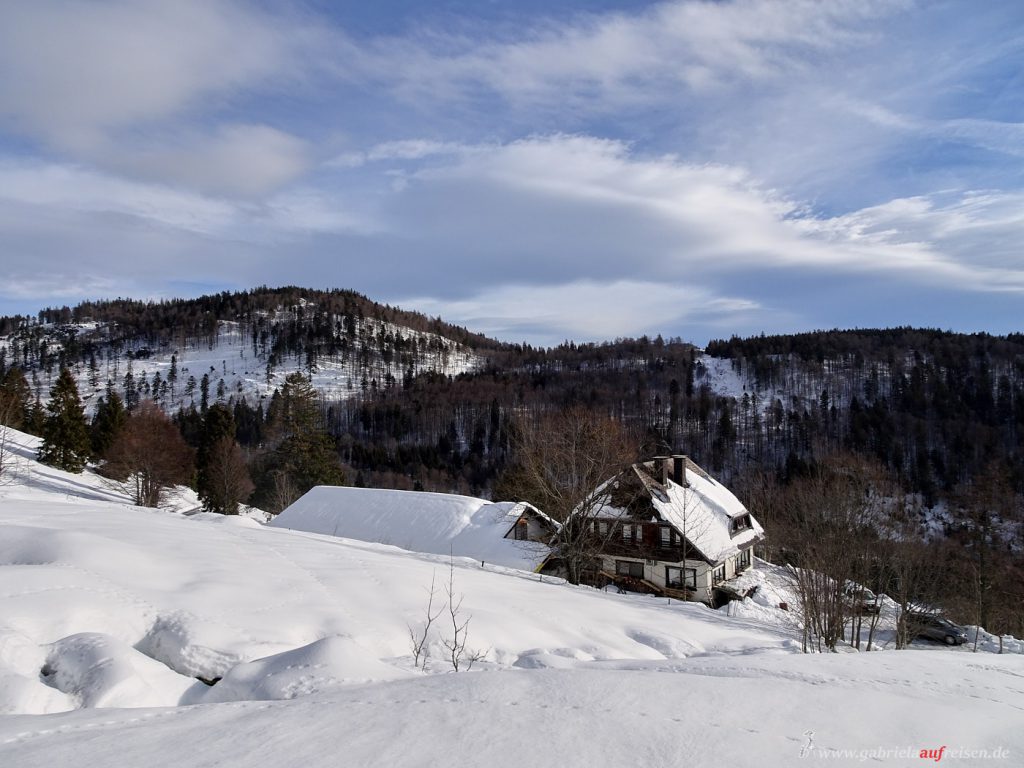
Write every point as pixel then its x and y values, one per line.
pixel 534 170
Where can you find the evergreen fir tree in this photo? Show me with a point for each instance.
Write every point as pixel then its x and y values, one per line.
pixel 15 399
pixel 36 418
pixel 223 477
pixel 65 431
pixel 217 424
pixel 107 422
pixel 305 453
pixel 204 393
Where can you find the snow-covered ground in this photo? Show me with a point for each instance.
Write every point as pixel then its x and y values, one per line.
pixel 110 613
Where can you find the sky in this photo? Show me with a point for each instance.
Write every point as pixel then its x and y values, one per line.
pixel 536 171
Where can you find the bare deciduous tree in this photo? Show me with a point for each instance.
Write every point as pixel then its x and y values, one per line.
pixel 458 653
pixel 460 656
pixel 148 456
pixel 419 637
pixel 831 537
pixel 559 461
pixel 283 491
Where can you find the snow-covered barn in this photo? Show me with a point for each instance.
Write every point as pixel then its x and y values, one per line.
pixel 511 534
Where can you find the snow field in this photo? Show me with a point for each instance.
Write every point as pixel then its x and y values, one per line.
pixel 109 613
pixel 105 604
pixel 749 711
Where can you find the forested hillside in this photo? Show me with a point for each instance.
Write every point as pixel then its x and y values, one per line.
pixel 415 401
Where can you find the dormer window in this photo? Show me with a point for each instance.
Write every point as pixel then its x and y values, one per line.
pixel 740 523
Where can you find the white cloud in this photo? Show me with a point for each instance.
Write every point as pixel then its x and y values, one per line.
pixel 555 206
pixel 244 160
pixel 551 237
pixel 51 191
pixel 614 58
pixel 406 149
pixel 57 287
pixel 1004 137
pixel 970 241
pixel 56 189
pixel 585 310
pixel 75 70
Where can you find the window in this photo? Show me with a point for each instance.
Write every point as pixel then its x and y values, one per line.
pixel 740 523
pixel 680 578
pixel 522 530
pixel 602 528
pixel 632 533
pixel 743 560
pixel 629 568
pixel 666 536
pixel 718 576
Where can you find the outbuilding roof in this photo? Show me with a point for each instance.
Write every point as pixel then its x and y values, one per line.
pixel 435 523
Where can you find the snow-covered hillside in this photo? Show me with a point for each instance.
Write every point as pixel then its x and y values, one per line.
pixel 235 366
pixel 105 605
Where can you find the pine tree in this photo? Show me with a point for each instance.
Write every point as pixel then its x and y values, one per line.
pixel 131 396
pixel 305 455
pixel 107 422
pixel 172 374
pixel 226 479
pixel 204 393
pixel 65 431
pixel 36 418
pixel 15 399
pixel 223 477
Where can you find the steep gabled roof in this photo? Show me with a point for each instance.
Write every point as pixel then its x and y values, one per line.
pixel 702 510
pixel 435 523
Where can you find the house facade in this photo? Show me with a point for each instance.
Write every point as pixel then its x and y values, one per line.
pixel 666 526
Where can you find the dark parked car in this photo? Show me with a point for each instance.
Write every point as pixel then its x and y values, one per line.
pixel 937 628
pixel 862 600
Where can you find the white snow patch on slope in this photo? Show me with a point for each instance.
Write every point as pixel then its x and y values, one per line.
pixel 230 356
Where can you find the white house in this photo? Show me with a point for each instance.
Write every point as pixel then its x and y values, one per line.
pixel 511 534
pixel 667 526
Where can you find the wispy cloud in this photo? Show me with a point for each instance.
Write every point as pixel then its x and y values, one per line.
pixel 587 311
pixel 60 189
pixel 614 58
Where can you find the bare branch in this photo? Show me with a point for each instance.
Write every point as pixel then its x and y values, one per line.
pixel 419 638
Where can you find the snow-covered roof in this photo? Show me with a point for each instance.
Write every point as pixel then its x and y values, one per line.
pixel 435 523
pixel 702 510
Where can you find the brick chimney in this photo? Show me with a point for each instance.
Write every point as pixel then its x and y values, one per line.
pixel 679 471
pixel 661 469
